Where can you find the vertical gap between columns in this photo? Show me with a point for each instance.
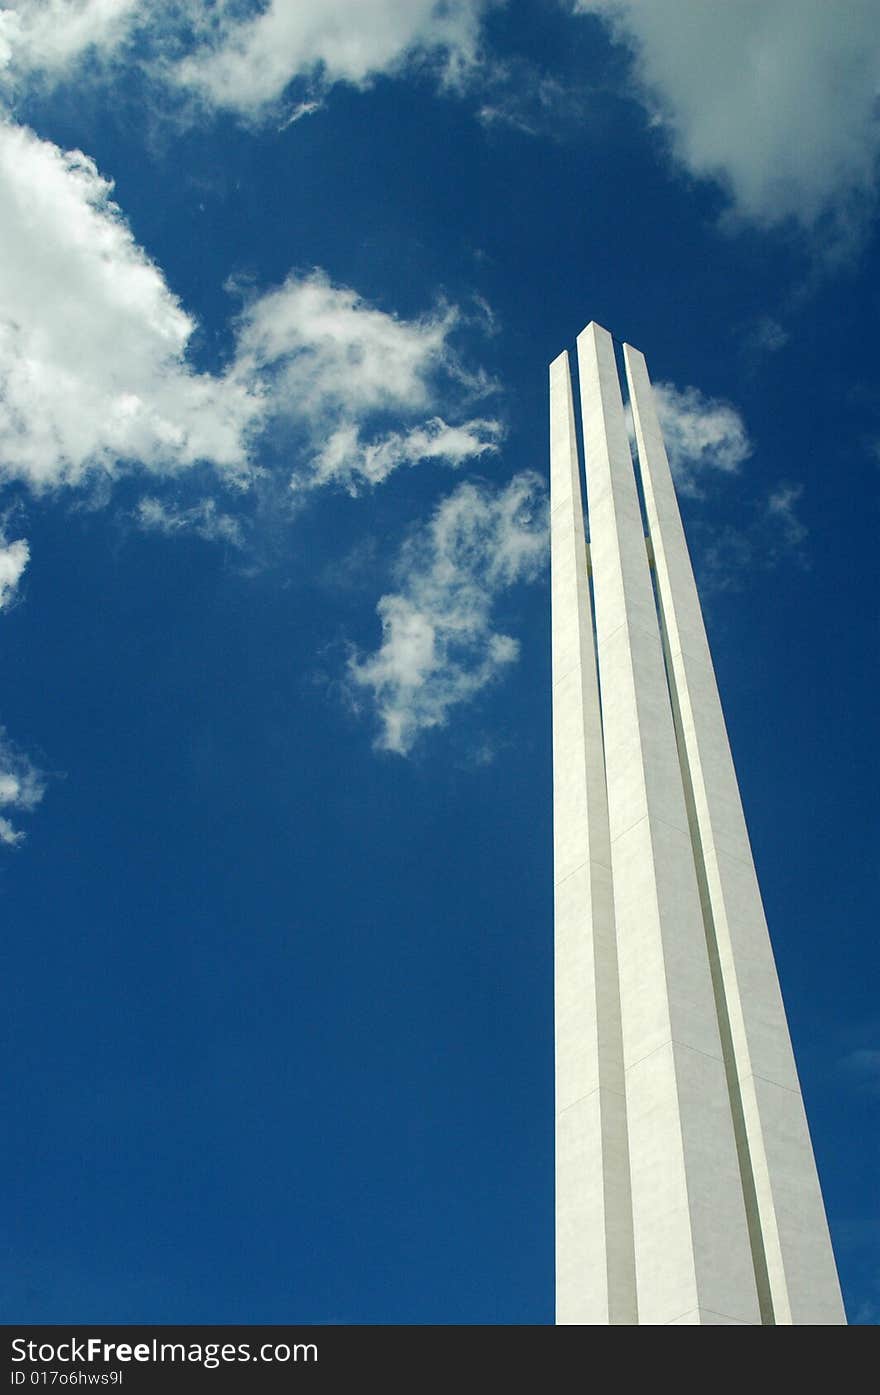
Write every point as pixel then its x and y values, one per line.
pixel 630 433
pixel 596 652
pixel 574 371
pixel 617 1301
pixel 574 368
pixel 747 1178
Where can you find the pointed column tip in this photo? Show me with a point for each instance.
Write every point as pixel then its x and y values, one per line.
pixel 559 359
pixel 595 328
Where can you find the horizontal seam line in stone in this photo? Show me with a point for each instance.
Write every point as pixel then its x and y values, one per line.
pixel 629 828
pixel 714 850
pixel 636 628
pixel 588 1096
pixel 681 651
pixel 587 862
pixel 699 1308
pixel 753 1075
pixel 685 832
pixel 673 1041
pixel 574 668
pixel 604 639
pixel 646 631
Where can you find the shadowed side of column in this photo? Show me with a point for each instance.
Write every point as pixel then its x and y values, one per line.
pixel 793 1258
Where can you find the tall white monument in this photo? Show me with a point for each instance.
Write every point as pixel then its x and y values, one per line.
pixel 686 1189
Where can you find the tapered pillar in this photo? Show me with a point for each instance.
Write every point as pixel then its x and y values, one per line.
pixel 692 1254
pixel 791 1245
pixel 595 1279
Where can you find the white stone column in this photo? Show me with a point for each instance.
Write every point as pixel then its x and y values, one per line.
pixel 595 1279
pixel 794 1262
pixel 692 1253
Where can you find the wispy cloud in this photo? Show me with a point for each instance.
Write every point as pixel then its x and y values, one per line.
pixel 707 438
pixel 21 783
pixel 349 459
pixel 518 95
pixel 781 511
pixel 702 435
pixel 771 534
pixel 203 519
pixel 300 110
pixel 439 647
pixel 21 788
pixel 765 336
pixel 14 557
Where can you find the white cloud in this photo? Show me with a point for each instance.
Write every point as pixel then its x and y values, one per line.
pixel 21 788
pixel 778 99
pixel 438 646
pixel 339 366
pixel 50 36
pixel 204 519
pixel 701 434
pixel 94 366
pixel 328 349
pixel 241 55
pixel 14 558
pixel 93 343
pixel 244 64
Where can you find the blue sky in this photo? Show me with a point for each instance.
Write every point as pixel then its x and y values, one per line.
pixel 279 285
